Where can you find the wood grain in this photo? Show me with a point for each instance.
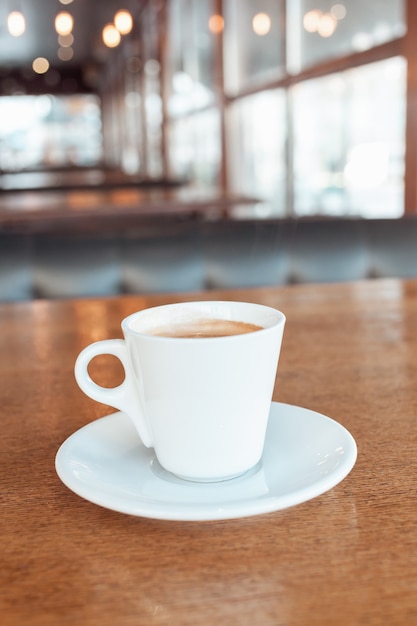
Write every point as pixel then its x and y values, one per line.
pixel 348 557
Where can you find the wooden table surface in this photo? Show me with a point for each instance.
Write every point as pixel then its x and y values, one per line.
pixel 347 557
pixel 109 209
pixel 79 178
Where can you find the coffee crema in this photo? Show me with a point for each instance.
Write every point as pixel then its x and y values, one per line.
pixel 205 328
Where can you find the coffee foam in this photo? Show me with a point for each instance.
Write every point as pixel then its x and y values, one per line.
pixel 201 328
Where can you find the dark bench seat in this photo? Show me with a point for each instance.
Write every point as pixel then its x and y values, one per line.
pixel 197 255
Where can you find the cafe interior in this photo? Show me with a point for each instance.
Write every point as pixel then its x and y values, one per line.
pixel 219 155
pixel 166 145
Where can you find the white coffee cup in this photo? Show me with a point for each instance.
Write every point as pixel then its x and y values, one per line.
pixel 202 403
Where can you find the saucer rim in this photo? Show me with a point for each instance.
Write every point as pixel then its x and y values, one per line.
pixel 172 511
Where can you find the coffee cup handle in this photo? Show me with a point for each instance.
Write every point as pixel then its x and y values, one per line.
pixel 125 396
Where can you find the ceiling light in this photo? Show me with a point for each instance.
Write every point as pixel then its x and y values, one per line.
pixel 111 36
pixel 123 22
pixel 16 23
pixel 311 21
pixel 327 25
pixel 261 24
pixel 66 40
pixel 338 11
pixel 216 24
pixel 40 65
pixel 64 23
pixel 65 54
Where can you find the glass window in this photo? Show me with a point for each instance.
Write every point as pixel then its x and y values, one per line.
pixel 191 56
pixel 132 159
pixel 195 148
pixel 331 145
pixel 254 42
pixel 204 36
pixel 153 109
pixel 49 131
pixel 319 30
pixel 349 131
pixel 256 139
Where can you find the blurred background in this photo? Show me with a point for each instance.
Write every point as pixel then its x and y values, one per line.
pixel 308 105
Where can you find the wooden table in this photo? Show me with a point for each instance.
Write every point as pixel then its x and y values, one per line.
pixel 107 208
pixel 347 557
pixel 81 178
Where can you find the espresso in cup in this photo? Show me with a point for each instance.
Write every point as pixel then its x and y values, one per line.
pixel 205 328
pixel 199 378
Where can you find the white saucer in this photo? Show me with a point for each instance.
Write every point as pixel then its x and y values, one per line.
pixel 305 455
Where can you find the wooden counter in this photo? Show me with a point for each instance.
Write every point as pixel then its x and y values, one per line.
pixel 105 208
pixel 347 557
pixel 81 178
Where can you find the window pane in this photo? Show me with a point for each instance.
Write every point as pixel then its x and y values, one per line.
pixel 349 142
pixel 152 91
pixel 204 41
pixel 49 131
pixel 319 30
pixel 257 134
pixel 254 42
pixel 191 56
pixel 133 149
pixel 194 146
